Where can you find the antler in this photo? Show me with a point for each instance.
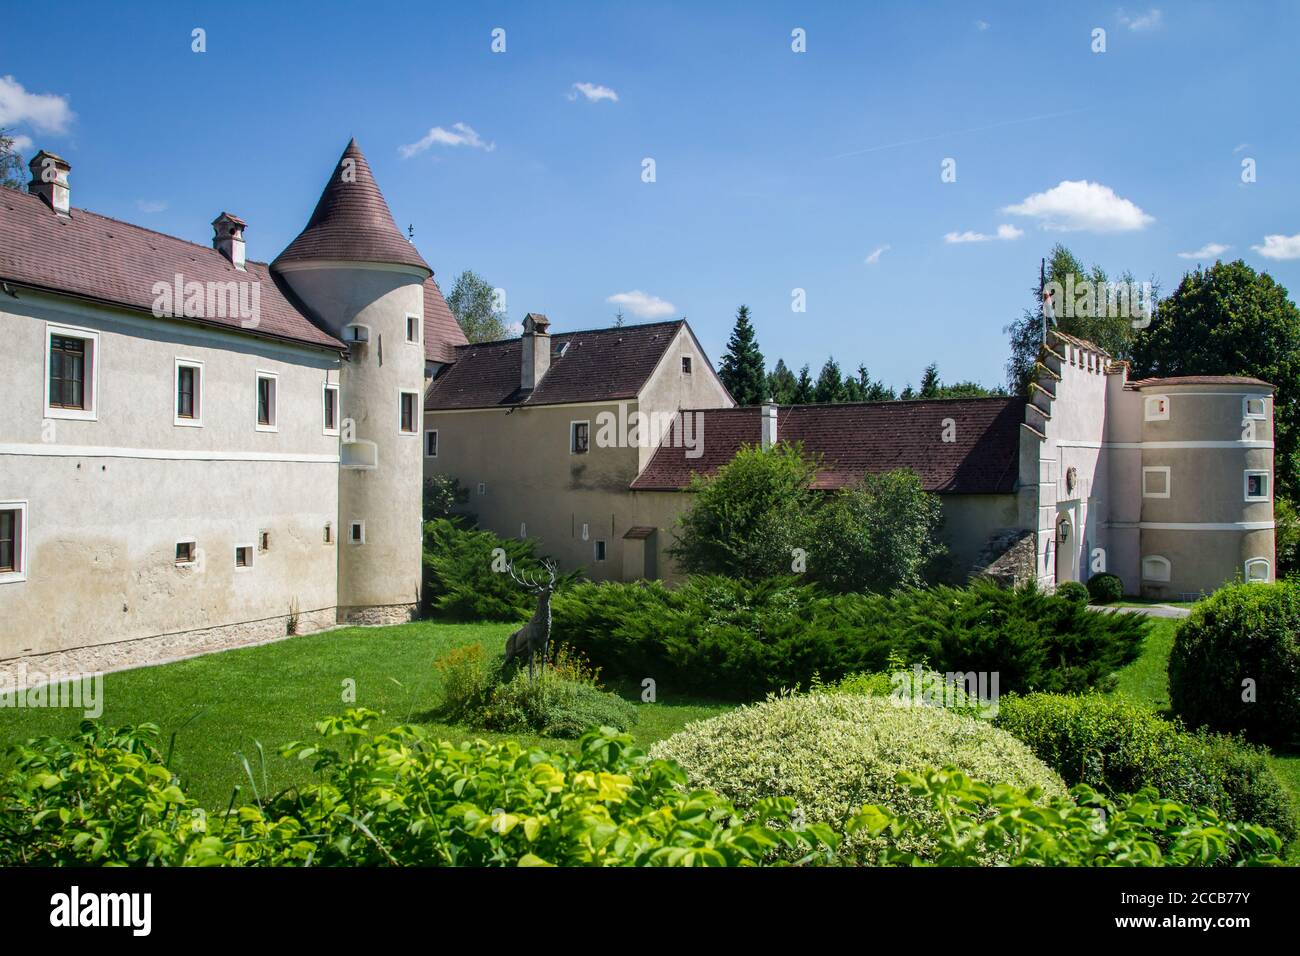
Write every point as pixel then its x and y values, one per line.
pixel 522 578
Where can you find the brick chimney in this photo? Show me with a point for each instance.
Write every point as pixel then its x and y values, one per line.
pixel 50 180
pixel 228 238
pixel 536 351
pixel 769 424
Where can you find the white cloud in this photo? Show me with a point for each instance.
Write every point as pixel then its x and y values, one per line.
pixel 459 135
pixel 593 92
pixel 46 112
pixel 1151 20
pixel 1005 231
pixel 1211 250
pixel 876 253
pixel 1008 231
pixel 150 205
pixel 1240 146
pixel 21 143
pixel 1075 205
pixel 981 25
pixel 1280 247
pixel 642 304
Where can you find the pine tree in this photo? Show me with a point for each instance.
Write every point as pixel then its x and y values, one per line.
pixel 742 368
pixel 781 384
pixel 803 389
pixel 930 384
pixel 830 384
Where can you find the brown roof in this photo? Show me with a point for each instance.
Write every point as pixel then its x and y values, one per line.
pixel 114 262
pixel 352 223
pixel 1079 343
pixel 596 366
pixel 854 439
pixel 442 333
pixel 1197 380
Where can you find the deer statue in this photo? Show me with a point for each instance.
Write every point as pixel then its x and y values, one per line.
pixel 536 634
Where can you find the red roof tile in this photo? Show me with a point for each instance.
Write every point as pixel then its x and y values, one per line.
pixel 1197 380
pixel 442 333
pixel 352 223
pixel 95 257
pixel 854 439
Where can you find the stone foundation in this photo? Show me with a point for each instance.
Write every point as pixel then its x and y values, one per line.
pixel 382 614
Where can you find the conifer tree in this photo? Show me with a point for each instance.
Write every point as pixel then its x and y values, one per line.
pixel 743 371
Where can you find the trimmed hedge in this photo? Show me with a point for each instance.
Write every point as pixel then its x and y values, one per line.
pixel 739 640
pixel 1105 588
pixel 1073 591
pixel 1242 633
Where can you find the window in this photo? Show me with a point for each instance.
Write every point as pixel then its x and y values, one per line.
pixel 579 435
pixel 1257 571
pixel 686 365
pixel 264 541
pixel 1155 568
pixel 600 550
pixel 189 392
pixel 266 387
pixel 1257 486
pixel 1254 407
pixel 71 372
pixel 482 487
pixel 523 529
pixel 357 532
pixel 1155 482
pixel 1157 407
pixel 359 455
pixel 431 443
pixel 186 553
pixel 13 541
pixel 243 556
pixel 356 332
pixel 410 408
pixel 412 328
pixel 331 400
pixel 329 533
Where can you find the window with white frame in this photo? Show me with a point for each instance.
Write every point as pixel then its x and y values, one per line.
pixel 189 392
pixel 1155 482
pixel 1253 406
pixel 267 385
pixel 409 423
pixel 412 328
pixel 329 532
pixel 686 365
pixel 579 437
pixel 13 541
pixel 431 443
pixel 1156 568
pixel 243 557
pixel 357 532
pixel 330 399
pixel 71 372
pixel 482 487
pixel 1157 408
pixel 1258 571
pixel 187 553
pixel 1258 485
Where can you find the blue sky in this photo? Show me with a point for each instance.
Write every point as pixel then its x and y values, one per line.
pixel 775 170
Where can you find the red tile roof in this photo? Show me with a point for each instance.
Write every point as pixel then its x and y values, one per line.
pixel 1197 380
pixel 352 223
pixel 596 366
pixel 854 439
pixel 442 333
pixel 106 260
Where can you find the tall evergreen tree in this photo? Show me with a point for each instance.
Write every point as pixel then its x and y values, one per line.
pixel 830 384
pixel 930 383
pixel 803 389
pixel 781 384
pixel 742 369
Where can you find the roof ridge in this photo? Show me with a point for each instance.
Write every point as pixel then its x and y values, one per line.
pixel 561 335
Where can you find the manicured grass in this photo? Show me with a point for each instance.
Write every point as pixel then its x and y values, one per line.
pixel 222 705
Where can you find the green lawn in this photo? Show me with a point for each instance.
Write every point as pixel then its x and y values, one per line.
pixel 224 704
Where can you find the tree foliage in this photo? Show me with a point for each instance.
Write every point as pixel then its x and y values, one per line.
pixel 742 369
pixel 11 163
pixel 473 302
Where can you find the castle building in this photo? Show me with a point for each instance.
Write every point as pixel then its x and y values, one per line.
pixel 199 450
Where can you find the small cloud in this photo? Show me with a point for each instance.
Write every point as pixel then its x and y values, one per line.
pixel 1211 250
pixel 593 92
pixel 1280 247
pixel 459 135
pixel 1005 231
pixel 876 253
pixel 150 205
pixel 47 112
pixel 1153 19
pixel 1078 205
pixel 1240 146
pixel 21 143
pixel 1008 231
pixel 981 25
pixel 642 304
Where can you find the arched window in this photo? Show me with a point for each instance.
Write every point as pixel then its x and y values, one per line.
pixel 1156 568
pixel 1257 570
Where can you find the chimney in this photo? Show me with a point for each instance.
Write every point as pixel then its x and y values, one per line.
pixel 228 238
pixel 50 180
pixel 769 424
pixel 536 351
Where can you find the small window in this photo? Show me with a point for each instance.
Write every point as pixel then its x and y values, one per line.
pixel 1254 407
pixel 359 455
pixel 329 532
pixel 243 556
pixel 1155 568
pixel 410 423
pixel 1157 407
pixel 13 541
pixel 331 400
pixel 523 529
pixel 1257 571
pixel 412 328
pixel 1257 486
pixel 186 553
pixel 482 487
pixel 189 392
pixel 431 443
pixel 71 367
pixel 600 550
pixel 357 532
pixel 686 365
pixel 266 413
pixel 1155 482
pixel 264 541
pixel 579 434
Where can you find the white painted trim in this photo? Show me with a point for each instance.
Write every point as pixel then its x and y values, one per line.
pixel 419 328
pixel 427 433
pixel 372 459
pixel 347 264
pixel 274 426
pixel 1206 525
pixel 573 435
pixel 1268 571
pixel 157 454
pixel 482 487
pixel 611 404
pixel 417 414
pixel 1245 407
pixel 1157 469
pixel 356 341
pixel 186 564
pixel 1168 567
pixel 1066 443
pixel 353 525
pixel 89 382
pixel 1147 401
pixel 197 420
pixel 19 505
pixel 252 558
pixel 1268 484
pixel 326 388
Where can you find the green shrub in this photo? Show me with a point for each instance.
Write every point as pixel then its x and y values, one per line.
pixel 442 496
pixel 731 638
pixel 1116 747
pixel 833 753
pixel 1073 591
pixel 1235 663
pixel 1105 588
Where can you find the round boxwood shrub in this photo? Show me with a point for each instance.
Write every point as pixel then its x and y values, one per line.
pixel 835 753
pixel 1235 663
pixel 1105 588
pixel 1073 591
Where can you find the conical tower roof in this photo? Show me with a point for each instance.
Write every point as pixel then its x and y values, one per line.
pixel 352 222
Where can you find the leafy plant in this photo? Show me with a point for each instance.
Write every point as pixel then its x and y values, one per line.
pixel 1105 588
pixel 1072 591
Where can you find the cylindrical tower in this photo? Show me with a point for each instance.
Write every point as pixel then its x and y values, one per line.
pixel 364 283
pixel 1206 484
